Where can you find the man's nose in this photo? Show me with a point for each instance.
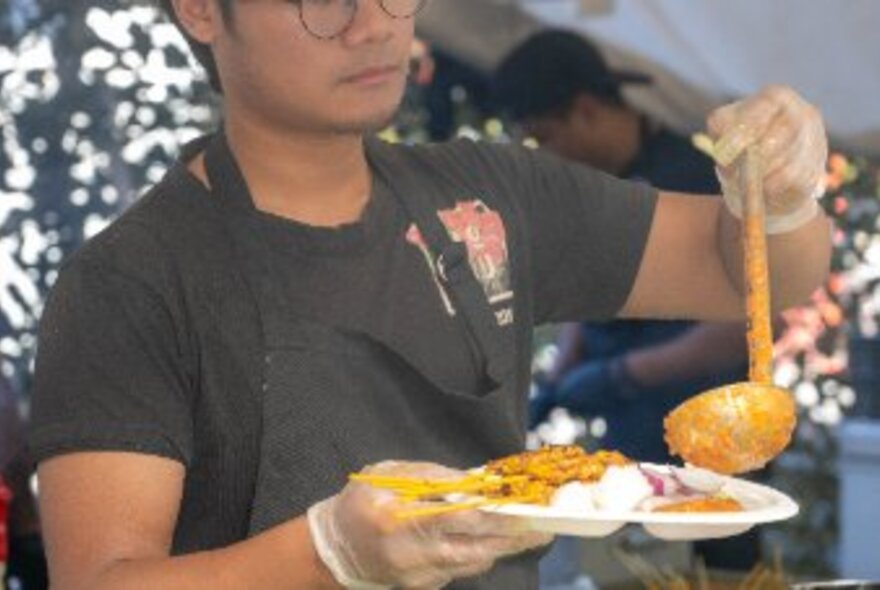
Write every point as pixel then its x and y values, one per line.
pixel 371 23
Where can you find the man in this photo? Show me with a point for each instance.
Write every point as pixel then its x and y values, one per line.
pixel 557 86
pixel 293 303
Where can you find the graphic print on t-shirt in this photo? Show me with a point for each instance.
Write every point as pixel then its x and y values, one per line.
pixel 483 233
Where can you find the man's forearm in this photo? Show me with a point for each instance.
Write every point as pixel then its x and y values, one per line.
pixel 282 558
pixel 799 260
pixel 570 343
pixel 706 349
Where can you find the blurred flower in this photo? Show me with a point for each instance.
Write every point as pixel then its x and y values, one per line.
pixel 812 348
pixel 836 283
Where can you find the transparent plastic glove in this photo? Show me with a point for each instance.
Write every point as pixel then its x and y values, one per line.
pixel 365 546
pixel 794 149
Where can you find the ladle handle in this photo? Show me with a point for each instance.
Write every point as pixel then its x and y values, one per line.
pixel 759 331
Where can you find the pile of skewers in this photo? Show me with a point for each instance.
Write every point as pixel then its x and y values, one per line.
pixel 652 577
pixel 525 478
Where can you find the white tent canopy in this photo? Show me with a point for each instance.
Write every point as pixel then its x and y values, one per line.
pixel 700 52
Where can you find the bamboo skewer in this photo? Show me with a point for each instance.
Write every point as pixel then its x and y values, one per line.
pixel 418 489
pixel 451 507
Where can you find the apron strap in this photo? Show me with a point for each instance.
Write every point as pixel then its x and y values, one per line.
pixel 416 187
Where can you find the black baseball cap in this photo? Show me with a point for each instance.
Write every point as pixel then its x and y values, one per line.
pixel 548 70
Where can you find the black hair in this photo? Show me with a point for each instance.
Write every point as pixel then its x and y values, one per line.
pixel 201 51
pixel 543 76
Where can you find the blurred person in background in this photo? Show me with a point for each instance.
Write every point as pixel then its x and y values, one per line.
pixel 296 301
pixel 558 88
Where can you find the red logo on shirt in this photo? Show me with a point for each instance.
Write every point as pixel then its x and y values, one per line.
pixel 483 233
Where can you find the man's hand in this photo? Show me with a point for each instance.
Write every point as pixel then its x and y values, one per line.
pixel 692 264
pixel 794 149
pixel 590 389
pixel 364 545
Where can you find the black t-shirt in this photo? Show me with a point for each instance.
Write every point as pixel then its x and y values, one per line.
pixel 151 339
pixel 670 162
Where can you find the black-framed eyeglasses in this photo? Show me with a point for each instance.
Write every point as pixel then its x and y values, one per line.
pixel 327 19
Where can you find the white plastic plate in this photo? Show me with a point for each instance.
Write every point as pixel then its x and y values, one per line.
pixel 762 505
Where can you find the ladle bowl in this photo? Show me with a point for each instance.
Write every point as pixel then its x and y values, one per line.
pixel 734 428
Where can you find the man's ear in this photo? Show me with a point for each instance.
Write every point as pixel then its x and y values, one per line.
pixel 201 19
pixel 586 107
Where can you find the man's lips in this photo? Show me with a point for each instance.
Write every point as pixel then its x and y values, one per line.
pixel 374 75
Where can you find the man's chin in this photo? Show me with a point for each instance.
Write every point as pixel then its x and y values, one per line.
pixel 363 127
pixel 367 123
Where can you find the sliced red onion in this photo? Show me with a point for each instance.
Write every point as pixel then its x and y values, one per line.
pixel 662 483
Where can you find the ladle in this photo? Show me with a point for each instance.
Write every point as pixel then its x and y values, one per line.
pixel 740 427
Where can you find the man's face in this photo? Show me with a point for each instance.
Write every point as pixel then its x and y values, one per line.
pixel 577 134
pixel 272 67
pixel 556 134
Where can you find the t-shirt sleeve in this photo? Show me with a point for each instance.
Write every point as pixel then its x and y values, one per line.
pixel 109 373
pixel 586 232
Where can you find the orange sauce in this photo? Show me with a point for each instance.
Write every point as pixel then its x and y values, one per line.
pixel 713 504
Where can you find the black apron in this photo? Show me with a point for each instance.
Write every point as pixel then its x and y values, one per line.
pixel 337 400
